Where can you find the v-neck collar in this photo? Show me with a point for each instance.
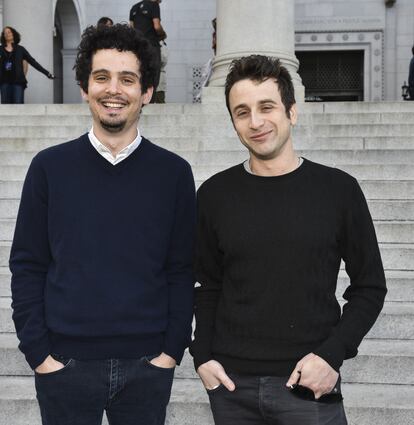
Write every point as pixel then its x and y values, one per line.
pixel 87 149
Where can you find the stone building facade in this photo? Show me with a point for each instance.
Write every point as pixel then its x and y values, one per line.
pixel 348 50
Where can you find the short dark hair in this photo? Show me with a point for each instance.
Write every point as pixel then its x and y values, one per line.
pixel 105 21
pixel 16 36
pixel 122 38
pixel 260 68
pixel 412 50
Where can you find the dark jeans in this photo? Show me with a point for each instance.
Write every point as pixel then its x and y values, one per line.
pixel 12 93
pixel 265 400
pixel 132 392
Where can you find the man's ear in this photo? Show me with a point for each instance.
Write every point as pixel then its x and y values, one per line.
pixel 293 114
pixel 146 97
pixel 84 95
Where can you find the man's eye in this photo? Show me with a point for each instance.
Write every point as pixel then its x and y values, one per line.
pixel 128 81
pixel 100 78
pixel 267 108
pixel 241 114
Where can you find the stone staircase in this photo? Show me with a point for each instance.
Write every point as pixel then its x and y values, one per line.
pixel 372 141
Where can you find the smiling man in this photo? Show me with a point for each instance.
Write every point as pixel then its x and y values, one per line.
pixel 101 260
pixel 270 337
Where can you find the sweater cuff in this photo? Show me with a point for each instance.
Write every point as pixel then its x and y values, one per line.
pixel 332 351
pixel 38 355
pixel 199 357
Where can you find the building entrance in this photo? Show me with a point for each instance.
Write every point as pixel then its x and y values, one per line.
pixel 332 76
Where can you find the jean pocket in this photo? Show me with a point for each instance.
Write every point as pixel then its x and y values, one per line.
pixel 147 362
pixel 67 363
pixel 215 389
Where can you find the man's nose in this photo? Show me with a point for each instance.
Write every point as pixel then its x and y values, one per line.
pixel 256 120
pixel 113 86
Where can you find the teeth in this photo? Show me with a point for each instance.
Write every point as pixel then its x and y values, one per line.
pixel 113 105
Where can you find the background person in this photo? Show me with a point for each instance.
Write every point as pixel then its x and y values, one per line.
pixel 411 76
pixel 105 21
pixel 13 67
pixel 145 17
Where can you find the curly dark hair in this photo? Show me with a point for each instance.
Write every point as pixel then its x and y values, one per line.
pixel 16 36
pixel 260 68
pixel 122 38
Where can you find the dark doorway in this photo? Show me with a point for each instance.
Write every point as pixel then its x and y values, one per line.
pixel 332 76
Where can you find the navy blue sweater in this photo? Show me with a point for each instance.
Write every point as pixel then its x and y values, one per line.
pixel 101 256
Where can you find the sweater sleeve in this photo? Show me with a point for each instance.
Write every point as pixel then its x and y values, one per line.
pixel 29 262
pixel 208 269
pixel 34 63
pixel 180 269
pixel 367 290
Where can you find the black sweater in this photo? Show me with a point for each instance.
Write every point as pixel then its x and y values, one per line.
pixel 267 259
pixel 20 54
pixel 102 255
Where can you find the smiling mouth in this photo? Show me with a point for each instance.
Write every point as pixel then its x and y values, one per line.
pixel 113 105
pixel 260 136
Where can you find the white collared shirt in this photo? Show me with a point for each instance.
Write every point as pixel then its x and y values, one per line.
pixel 107 154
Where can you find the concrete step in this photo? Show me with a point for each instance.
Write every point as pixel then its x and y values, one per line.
pixel 397 256
pixel 393 210
pixel 203 172
pixel 400 285
pixel 5 277
pixel 356 118
pixel 29 144
pixel 360 107
pixel 36 141
pixel 384 189
pixel 177 118
pixel 387 231
pixel 387 210
pixel 191 129
pixel 194 109
pixel 394 322
pixel 394 231
pixel 334 158
pixel 360 172
pixel 9 208
pixel 355 130
pixel 394 256
pixel 60 132
pixel 370 366
pixel 365 404
pixel 10 189
pixel 373 189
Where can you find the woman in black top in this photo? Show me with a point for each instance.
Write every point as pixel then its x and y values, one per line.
pixel 13 67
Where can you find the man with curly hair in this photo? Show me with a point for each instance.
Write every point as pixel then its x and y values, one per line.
pixel 102 279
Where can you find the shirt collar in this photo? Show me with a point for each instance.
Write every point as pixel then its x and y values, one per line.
pixel 106 152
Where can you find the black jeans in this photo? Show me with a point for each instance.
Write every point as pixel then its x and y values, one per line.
pixel 265 400
pixel 132 392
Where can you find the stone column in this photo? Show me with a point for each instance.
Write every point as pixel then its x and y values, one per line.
pixel 34 21
pixel 71 91
pixel 246 27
